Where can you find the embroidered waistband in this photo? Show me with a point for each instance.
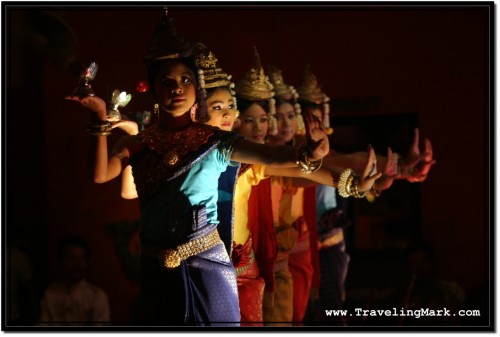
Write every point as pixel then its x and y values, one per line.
pixel 171 258
pixel 241 270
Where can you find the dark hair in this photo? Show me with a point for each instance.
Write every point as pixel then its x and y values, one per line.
pixel 71 241
pixel 307 105
pixel 154 68
pixel 244 104
pixel 211 91
pixel 279 101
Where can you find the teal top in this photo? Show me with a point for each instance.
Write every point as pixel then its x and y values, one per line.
pixel 325 199
pixel 176 207
pixel 201 185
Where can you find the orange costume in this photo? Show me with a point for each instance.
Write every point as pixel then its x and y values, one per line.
pixel 303 260
pixel 294 268
pixel 293 216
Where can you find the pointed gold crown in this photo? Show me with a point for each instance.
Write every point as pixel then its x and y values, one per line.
pixel 286 92
pixel 255 84
pixel 166 42
pixel 276 78
pixel 309 89
pixel 211 74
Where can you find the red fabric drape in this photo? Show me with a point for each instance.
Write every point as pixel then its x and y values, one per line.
pixel 260 224
pixel 310 217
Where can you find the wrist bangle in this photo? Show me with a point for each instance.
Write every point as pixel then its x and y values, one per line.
pixel 355 191
pixel 99 129
pixel 348 185
pixel 344 183
pixel 304 164
pixel 99 133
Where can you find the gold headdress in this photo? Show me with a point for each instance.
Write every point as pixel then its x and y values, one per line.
pixel 309 90
pixel 210 73
pixel 286 92
pixel 166 42
pixel 255 86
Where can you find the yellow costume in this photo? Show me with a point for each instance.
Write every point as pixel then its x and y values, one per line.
pixel 249 178
pixel 250 284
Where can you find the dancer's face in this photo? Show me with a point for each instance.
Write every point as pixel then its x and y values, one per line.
pixel 221 108
pixel 175 88
pixel 286 123
pixel 254 123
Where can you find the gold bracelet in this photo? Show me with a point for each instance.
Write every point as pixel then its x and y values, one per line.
pixel 102 129
pixel 345 180
pixel 304 164
pixel 349 184
pixel 356 193
pixel 99 133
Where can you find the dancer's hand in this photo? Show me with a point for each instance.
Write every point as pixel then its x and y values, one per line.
pixel 317 139
pixel 390 172
pixel 128 126
pixel 94 103
pixel 416 165
pixel 370 174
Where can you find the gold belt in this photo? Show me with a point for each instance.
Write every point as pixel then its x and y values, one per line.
pixel 241 270
pixel 171 258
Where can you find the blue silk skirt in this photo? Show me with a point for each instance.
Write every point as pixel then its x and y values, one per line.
pixel 201 291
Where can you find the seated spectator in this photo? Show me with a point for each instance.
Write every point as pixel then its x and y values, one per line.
pixel 426 290
pixel 20 289
pixel 72 299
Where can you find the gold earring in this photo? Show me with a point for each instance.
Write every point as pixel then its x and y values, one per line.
pixel 156 109
pixel 192 112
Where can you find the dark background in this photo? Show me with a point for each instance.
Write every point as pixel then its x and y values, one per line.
pixel 427 66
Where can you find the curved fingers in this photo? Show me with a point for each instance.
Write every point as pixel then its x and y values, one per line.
pixel 428 150
pixel 391 163
pixel 414 145
pixel 371 163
